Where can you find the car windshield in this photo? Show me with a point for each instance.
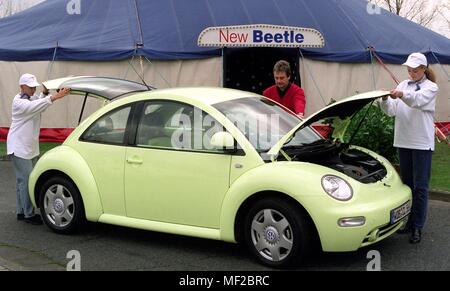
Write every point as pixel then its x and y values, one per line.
pixel 264 122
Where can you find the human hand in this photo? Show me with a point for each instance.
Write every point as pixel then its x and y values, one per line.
pixel 60 94
pixel 396 94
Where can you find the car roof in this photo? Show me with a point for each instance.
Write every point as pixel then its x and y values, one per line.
pixel 205 95
pixel 112 88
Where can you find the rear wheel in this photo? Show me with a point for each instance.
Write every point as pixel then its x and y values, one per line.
pixel 277 233
pixel 61 206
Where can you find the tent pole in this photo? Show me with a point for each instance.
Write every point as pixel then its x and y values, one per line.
pixel 50 68
pixel 162 77
pixel 312 77
pixel 142 67
pixel 442 67
pixel 137 73
pixel 138 18
pixel 373 70
pixel 384 65
pixel 128 68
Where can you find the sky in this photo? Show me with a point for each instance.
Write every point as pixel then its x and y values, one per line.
pixel 440 25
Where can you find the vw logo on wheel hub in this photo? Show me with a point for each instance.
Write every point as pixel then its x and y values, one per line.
pixel 271 234
pixel 58 205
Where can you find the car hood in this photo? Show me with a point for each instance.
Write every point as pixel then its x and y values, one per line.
pixel 343 109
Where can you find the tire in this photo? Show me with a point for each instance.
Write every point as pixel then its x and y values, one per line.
pixel 277 233
pixel 61 205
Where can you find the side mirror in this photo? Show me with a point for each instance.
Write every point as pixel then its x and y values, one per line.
pixel 223 140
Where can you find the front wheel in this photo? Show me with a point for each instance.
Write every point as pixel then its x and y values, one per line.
pixel 61 205
pixel 277 233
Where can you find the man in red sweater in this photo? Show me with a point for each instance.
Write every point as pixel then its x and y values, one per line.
pixel 285 92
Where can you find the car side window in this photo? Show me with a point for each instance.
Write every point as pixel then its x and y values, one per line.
pixel 110 128
pixel 174 125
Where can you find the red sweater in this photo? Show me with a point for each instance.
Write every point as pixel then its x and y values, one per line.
pixel 294 98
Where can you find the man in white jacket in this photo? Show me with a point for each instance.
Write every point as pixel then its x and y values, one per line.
pixel 23 139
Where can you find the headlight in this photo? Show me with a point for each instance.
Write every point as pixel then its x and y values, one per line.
pixel 337 187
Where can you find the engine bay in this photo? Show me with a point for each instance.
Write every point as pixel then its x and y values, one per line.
pixel 352 162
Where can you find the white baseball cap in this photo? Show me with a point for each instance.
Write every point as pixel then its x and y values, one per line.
pixel 29 80
pixel 416 59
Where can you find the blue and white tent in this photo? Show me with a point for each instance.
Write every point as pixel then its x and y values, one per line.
pixel 91 37
pixel 107 30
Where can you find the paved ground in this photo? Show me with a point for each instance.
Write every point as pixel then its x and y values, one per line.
pixel 106 247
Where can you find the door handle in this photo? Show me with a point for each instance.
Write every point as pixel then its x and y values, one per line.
pixel 135 160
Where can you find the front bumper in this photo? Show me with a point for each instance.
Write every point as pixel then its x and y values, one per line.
pixel 374 206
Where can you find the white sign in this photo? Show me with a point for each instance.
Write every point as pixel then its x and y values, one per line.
pixel 260 35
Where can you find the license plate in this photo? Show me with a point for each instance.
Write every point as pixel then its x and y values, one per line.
pixel 400 212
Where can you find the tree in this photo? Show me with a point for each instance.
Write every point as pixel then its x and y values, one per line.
pixel 423 12
pixel 445 14
pixel 6 8
pixel 9 7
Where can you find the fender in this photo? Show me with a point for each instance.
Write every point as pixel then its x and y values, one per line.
pixel 296 179
pixel 77 170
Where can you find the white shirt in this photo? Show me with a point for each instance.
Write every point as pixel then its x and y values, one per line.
pixel 23 135
pixel 414 114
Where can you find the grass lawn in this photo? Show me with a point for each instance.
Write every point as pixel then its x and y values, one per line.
pixel 440 171
pixel 43 147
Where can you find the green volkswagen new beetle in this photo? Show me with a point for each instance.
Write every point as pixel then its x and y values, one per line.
pixel 219 164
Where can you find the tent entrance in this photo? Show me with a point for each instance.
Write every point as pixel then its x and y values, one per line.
pixel 250 69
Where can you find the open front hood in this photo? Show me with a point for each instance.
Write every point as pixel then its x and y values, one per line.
pixel 343 109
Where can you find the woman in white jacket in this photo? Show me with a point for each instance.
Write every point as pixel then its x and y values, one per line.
pixel 413 104
pixel 23 139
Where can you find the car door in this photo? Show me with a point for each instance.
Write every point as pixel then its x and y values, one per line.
pixel 102 146
pixel 172 174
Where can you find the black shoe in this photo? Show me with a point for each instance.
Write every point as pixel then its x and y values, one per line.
pixel 416 236
pixel 20 216
pixel 35 220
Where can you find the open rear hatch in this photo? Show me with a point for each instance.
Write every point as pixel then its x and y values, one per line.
pixel 104 88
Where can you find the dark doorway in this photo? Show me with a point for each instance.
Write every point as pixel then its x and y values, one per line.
pixel 250 69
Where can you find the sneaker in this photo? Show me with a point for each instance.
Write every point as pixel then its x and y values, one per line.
pixel 35 220
pixel 20 216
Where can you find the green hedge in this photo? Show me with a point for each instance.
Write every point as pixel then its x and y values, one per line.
pixel 376 132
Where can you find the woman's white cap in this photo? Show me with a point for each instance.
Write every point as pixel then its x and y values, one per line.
pixel 416 59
